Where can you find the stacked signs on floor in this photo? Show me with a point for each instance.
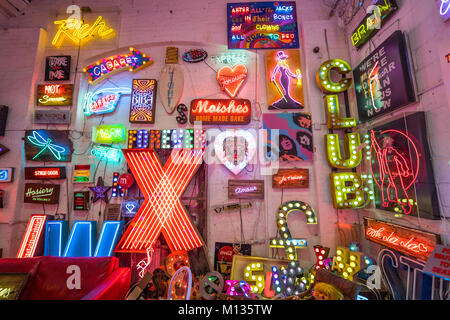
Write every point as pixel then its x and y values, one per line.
pixel 293 141
pixel 383 81
pixel 223 256
pixel 402 169
pixel 262 25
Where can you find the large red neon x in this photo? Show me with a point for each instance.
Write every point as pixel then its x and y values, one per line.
pixel 162 210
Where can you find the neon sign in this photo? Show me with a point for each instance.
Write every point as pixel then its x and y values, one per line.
pixel 166 139
pixel 104 68
pixel 47 145
pixel 230 57
pixel 194 55
pixel 220 111
pixel 162 210
pixel 143 101
pixel 103 100
pixel 81 173
pixel 32 236
pixel 412 242
pixel 262 25
pixel 231 79
pixel 321 255
pixel 54 94
pixel 100 191
pixel 81 32
pixel 57 68
pixel 129 208
pixel 246 189
pixel 6 174
pixel 382 10
pixel 111 154
pixel 80 200
pixel 41 193
pixel 291 178
pixel 45 173
pixel 108 133
pixel 347 263
pixel 284 80
pixel 3 149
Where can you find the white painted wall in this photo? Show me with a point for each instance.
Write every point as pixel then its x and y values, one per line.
pixel 151 26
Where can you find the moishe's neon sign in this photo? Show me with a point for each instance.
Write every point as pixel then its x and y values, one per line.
pixel 346 187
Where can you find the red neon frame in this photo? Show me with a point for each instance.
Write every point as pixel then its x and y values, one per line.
pixel 162 210
pixel 30 239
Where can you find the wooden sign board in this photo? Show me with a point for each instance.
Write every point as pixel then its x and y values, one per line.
pixel 246 189
pixel 232 207
pixel 52 116
pixel 143 101
pixel 54 95
pixel 220 111
pixel 416 243
pixel 291 178
pixel 57 68
pixel 41 193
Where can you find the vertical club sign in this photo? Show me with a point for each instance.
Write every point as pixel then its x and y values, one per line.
pixel 347 187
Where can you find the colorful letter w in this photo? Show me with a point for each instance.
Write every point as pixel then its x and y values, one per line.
pixel 162 210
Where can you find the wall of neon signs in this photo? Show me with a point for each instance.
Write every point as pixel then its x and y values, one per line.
pixel 402 169
pixel 262 25
pixel 383 80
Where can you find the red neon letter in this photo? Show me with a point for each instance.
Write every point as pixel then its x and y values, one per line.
pixel 162 210
pixel 31 237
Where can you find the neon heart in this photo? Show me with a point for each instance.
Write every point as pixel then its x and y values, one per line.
pixel 231 79
pixel 233 154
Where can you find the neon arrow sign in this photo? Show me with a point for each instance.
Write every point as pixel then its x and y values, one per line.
pixel 103 101
pixel 162 210
pixel 104 68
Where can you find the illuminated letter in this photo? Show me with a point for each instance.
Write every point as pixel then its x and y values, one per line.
pixel 347 263
pixel 324 80
pixel 347 190
pixel 56 234
pixel 250 277
pixel 334 121
pixel 334 156
pixel 82 239
pixel 109 237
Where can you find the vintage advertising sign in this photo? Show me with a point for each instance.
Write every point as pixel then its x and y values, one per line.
pixel 262 25
pixel 54 95
pixel 109 133
pixel 438 264
pixel 284 80
pixel 81 173
pixel 401 167
pixel 6 175
pixel 48 145
pixel 383 80
pixel 57 68
pixel 41 193
pixel 246 189
pixel 81 200
pixel 104 68
pixel 377 15
pixel 3 118
pixel 291 178
pixel 130 207
pixel 52 116
pixel 223 256
pixel 412 242
pixel 102 101
pixel 143 101
pixel 220 111
pixel 45 173
pixel 289 136
pixel 195 55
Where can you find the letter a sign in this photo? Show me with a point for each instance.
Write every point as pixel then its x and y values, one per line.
pixel 162 210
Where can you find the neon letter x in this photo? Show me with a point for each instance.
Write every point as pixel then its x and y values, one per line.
pixel 162 210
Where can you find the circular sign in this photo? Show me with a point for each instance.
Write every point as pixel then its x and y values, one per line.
pixel 211 285
pixel 126 180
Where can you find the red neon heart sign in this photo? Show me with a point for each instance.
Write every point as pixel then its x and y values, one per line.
pixel 231 79
pixel 162 210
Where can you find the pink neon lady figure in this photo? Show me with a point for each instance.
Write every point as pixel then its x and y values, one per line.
pixel 284 83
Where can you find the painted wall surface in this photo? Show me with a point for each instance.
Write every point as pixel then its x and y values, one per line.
pixel 151 27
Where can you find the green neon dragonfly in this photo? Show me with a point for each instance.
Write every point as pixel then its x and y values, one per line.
pixel 39 141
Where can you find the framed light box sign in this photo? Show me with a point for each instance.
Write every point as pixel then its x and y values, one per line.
pixel 54 95
pixel 52 116
pixel 45 173
pixel 48 145
pixel 41 193
pixel 383 80
pixel 402 169
pixel 220 111
pixel 6 175
pixel 57 68
pixel 262 25
pixel 245 189
pixel 143 101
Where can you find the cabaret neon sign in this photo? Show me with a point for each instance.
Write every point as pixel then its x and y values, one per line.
pixel 104 68
pixel 162 210
pixel 79 32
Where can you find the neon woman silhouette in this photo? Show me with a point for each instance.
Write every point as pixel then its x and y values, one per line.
pixel 395 176
pixel 284 83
